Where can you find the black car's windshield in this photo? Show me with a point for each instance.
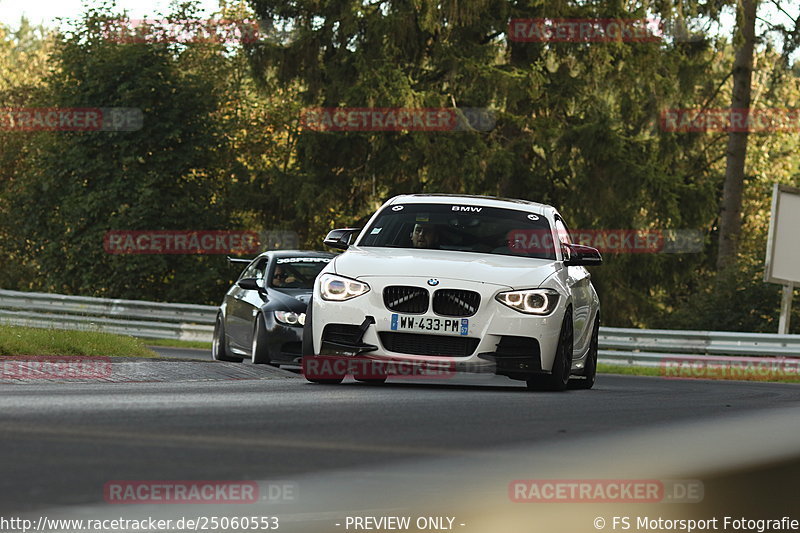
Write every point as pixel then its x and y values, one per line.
pixel 461 228
pixel 296 272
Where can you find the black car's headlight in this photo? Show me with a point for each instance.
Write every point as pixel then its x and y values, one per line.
pixel 338 288
pixel 291 318
pixel 530 301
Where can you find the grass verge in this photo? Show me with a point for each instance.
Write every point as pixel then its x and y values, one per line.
pixel 16 340
pixel 177 344
pixel 659 372
pixel 628 370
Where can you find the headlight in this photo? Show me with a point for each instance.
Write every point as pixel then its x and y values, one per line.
pixel 530 301
pixel 288 317
pixel 339 289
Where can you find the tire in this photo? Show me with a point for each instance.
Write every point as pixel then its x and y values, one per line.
pixel 308 340
pixel 326 381
pixel 372 381
pixel 219 348
pixel 258 351
pixel 558 379
pixel 590 368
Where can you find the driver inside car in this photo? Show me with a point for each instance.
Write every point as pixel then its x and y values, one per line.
pixel 282 277
pixel 425 235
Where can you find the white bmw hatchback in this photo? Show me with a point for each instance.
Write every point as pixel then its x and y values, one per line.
pixel 471 283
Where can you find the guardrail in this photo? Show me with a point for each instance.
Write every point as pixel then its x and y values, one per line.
pixel 649 347
pixel 127 317
pixel 622 346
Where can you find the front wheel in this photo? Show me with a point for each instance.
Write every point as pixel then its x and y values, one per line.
pixel 590 368
pixel 219 350
pixel 558 378
pixel 259 351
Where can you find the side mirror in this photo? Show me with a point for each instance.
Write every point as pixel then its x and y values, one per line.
pixel 250 284
pixel 579 255
pixel 341 238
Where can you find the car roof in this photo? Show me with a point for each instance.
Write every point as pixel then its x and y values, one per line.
pixel 294 253
pixel 300 253
pixel 486 201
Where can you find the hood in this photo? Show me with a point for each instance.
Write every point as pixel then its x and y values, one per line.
pixel 503 270
pixel 294 299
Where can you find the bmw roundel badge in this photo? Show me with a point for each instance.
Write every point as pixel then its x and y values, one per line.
pixel 433 282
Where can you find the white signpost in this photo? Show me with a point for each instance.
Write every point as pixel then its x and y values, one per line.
pixel 783 247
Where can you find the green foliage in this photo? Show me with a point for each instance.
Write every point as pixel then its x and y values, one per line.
pixel 222 146
pixel 168 175
pixel 737 299
pixel 24 63
pixel 576 122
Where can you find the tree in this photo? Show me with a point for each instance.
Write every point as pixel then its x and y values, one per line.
pixel 169 175
pixel 24 54
pixel 736 154
pixel 575 121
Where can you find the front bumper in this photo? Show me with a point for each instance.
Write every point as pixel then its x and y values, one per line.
pixel 499 339
pixel 284 342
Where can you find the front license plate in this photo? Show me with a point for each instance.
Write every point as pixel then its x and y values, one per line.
pixel 424 324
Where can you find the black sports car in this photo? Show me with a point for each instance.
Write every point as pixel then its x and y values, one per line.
pixel 263 313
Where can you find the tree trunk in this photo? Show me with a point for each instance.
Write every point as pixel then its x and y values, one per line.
pixel 730 222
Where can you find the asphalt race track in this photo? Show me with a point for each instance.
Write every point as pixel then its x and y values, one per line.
pixel 62 442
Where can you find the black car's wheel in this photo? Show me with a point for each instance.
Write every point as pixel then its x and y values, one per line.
pixel 558 378
pixel 258 350
pixel 590 367
pixel 219 348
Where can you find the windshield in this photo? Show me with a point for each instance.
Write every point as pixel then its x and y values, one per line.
pixel 297 272
pixel 459 228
